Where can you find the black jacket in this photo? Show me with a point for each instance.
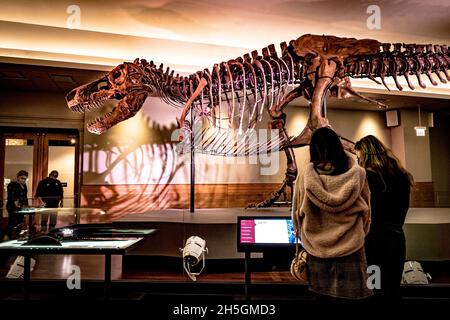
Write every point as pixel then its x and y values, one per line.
pixel 51 192
pixel 389 200
pixel 16 191
pixel 385 243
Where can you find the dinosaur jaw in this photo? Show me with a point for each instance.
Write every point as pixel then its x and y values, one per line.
pixel 125 109
pixel 100 124
pixel 94 101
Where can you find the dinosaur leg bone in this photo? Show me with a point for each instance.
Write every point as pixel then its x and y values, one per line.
pixel 278 122
pixel 291 171
pixel 316 117
pixel 277 111
pixel 186 109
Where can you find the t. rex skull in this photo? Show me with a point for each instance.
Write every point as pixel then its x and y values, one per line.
pixel 125 83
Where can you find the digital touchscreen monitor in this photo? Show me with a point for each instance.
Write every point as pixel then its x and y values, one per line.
pixel 264 232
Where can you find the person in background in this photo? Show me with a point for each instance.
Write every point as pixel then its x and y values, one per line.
pixel 50 194
pixel 331 212
pixel 390 185
pixel 17 200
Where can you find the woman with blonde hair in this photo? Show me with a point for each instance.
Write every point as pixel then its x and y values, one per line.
pixel 331 213
pixel 390 185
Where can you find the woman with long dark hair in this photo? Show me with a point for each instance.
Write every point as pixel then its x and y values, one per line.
pixel 331 213
pixel 390 184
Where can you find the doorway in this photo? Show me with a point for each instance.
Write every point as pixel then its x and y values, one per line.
pixel 39 152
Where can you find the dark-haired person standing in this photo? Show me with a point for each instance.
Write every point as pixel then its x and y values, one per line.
pixel 50 193
pixel 17 199
pixel 331 212
pixel 390 186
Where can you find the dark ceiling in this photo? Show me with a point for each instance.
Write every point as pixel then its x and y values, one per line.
pixel 19 77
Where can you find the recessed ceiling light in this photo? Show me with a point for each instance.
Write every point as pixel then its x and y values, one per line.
pixel 62 78
pixel 12 75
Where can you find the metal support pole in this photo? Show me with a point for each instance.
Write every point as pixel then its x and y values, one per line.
pixel 192 182
pixel 248 275
pixel 107 288
pixel 26 276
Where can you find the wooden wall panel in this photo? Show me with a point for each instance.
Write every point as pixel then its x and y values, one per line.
pixel 422 195
pixel 119 200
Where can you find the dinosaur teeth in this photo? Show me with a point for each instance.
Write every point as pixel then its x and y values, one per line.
pixel 77 108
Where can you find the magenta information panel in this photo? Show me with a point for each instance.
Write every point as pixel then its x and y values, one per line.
pixel 247 231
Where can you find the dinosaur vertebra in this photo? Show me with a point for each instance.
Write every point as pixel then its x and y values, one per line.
pixel 236 93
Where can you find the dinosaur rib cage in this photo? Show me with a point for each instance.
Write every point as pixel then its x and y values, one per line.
pixel 234 100
pixel 239 91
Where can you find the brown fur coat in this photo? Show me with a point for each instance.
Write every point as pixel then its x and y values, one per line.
pixel 332 212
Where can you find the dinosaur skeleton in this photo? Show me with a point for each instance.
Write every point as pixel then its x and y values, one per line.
pixel 225 104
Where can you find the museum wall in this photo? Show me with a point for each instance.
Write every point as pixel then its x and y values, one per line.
pixel 440 158
pixel 417 149
pixel 417 158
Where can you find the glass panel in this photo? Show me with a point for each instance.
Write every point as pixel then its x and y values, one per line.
pixel 18 156
pixel 61 157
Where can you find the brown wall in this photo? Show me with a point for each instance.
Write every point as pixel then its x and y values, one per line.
pixel 440 158
pixel 120 200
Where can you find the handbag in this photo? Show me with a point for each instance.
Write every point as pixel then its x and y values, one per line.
pixel 299 269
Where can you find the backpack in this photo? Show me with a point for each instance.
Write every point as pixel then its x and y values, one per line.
pixel 414 274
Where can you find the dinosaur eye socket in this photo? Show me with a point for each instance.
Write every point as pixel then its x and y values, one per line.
pixel 116 77
pixel 102 85
pixel 116 74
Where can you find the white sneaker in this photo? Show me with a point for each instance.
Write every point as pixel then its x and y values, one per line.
pixel 16 271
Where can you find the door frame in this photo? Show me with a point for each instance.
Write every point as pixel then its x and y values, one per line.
pixel 41 139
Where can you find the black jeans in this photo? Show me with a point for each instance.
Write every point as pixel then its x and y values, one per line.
pixel 53 216
pixel 15 219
